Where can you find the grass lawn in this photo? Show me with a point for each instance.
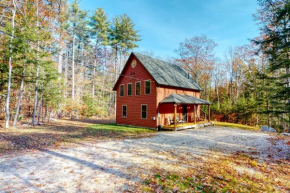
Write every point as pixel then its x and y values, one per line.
pixel 116 131
pixel 239 126
pixel 64 131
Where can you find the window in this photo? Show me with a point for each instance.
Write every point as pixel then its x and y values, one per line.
pixel 138 88
pixel 144 111
pixel 124 111
pixel 134 63
pixel 147 87
pixel 121 90
pixel 129 91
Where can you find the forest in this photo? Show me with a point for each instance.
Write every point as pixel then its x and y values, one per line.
pixel 57 60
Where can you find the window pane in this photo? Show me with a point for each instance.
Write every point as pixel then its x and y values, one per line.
pixel 138 88
pixel 124 114
pixel 129 89
pixel 147 87
pixel 144 111
pixel 122 90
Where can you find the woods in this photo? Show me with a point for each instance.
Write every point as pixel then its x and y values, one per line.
pixel 57 60
pixel 250 85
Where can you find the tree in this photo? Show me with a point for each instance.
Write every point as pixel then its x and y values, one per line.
pixel 10 65
pixel 196 56
pixel 100 28
pixel 77 26
pixel 274 43
pixel 122 37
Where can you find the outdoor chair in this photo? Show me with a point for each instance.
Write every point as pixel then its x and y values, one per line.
pixel 178 121
pixel 170 120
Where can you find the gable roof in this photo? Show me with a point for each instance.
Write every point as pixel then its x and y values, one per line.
pixel 184 99
pixel 165 73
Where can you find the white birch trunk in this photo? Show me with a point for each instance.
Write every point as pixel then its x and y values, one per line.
pixel 73 69
pixel 60 53
pixel 19 98
pixel 37 70
pixel 10 68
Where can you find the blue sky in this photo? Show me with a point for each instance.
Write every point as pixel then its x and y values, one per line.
pixel 163 24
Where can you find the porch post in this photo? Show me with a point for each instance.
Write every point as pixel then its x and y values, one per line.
pixel 194 107
pixel 208 107
pixel 175 113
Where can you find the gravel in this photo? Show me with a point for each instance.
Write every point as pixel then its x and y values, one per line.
pixel 118 165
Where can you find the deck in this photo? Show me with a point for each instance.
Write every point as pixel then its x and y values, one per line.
pixel 187 126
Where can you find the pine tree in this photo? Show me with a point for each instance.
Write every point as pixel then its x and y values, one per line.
pixel 99 30
pixel 275 45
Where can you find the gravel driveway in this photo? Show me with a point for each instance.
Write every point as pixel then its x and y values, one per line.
pixel 113 166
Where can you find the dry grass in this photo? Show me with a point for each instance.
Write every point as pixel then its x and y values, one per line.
pixel 239 126
pixel 236 173
pixel 64 131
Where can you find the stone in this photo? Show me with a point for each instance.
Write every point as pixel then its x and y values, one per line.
pixel 268 129
pixel 285 134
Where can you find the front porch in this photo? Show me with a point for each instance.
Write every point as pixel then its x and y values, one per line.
pixel 186 112
pixel 187 126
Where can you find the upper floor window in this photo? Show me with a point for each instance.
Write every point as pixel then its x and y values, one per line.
pixel 134 63
pixel 144 111
pixel 121 90
pixel 138 88
pixel 147 87
pixel 129 87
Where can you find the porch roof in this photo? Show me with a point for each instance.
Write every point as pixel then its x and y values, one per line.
pixel 184 99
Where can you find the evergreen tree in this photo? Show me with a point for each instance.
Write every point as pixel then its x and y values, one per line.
pixel 99 30
pixel 275 45
pixel 77 28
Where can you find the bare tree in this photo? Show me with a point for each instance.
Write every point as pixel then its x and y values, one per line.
pixel 196 56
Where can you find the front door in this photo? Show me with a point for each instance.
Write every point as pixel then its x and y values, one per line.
pixel 184 113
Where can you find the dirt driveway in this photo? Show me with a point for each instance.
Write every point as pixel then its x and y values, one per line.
pixel 114 166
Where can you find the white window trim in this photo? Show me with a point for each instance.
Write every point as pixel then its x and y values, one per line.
pixel 145 86
pixel 126 111
pixel 136 88
pixel 146 110
pixel 123 90
pixel 128 89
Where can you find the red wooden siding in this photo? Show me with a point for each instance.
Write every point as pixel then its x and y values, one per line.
pixel 167 110
pixel 134 102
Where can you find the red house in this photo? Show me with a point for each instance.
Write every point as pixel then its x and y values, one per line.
pixel 151 92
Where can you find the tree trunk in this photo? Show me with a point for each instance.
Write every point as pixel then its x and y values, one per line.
pixel 37 70
pixel 43 114
pixel 73 74
pixel 19 98
pixel 10 68
pixel 49 114
pixel 40 110
pixel 93 80
pixel 60 55
pixel 268 114
pixel 231 89
pixel 115 94
pixel 218 96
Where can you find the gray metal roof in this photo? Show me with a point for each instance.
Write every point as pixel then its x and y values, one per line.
pixel 166 73
pixel 184 99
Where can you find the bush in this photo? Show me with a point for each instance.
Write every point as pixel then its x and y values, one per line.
pixel 89 108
